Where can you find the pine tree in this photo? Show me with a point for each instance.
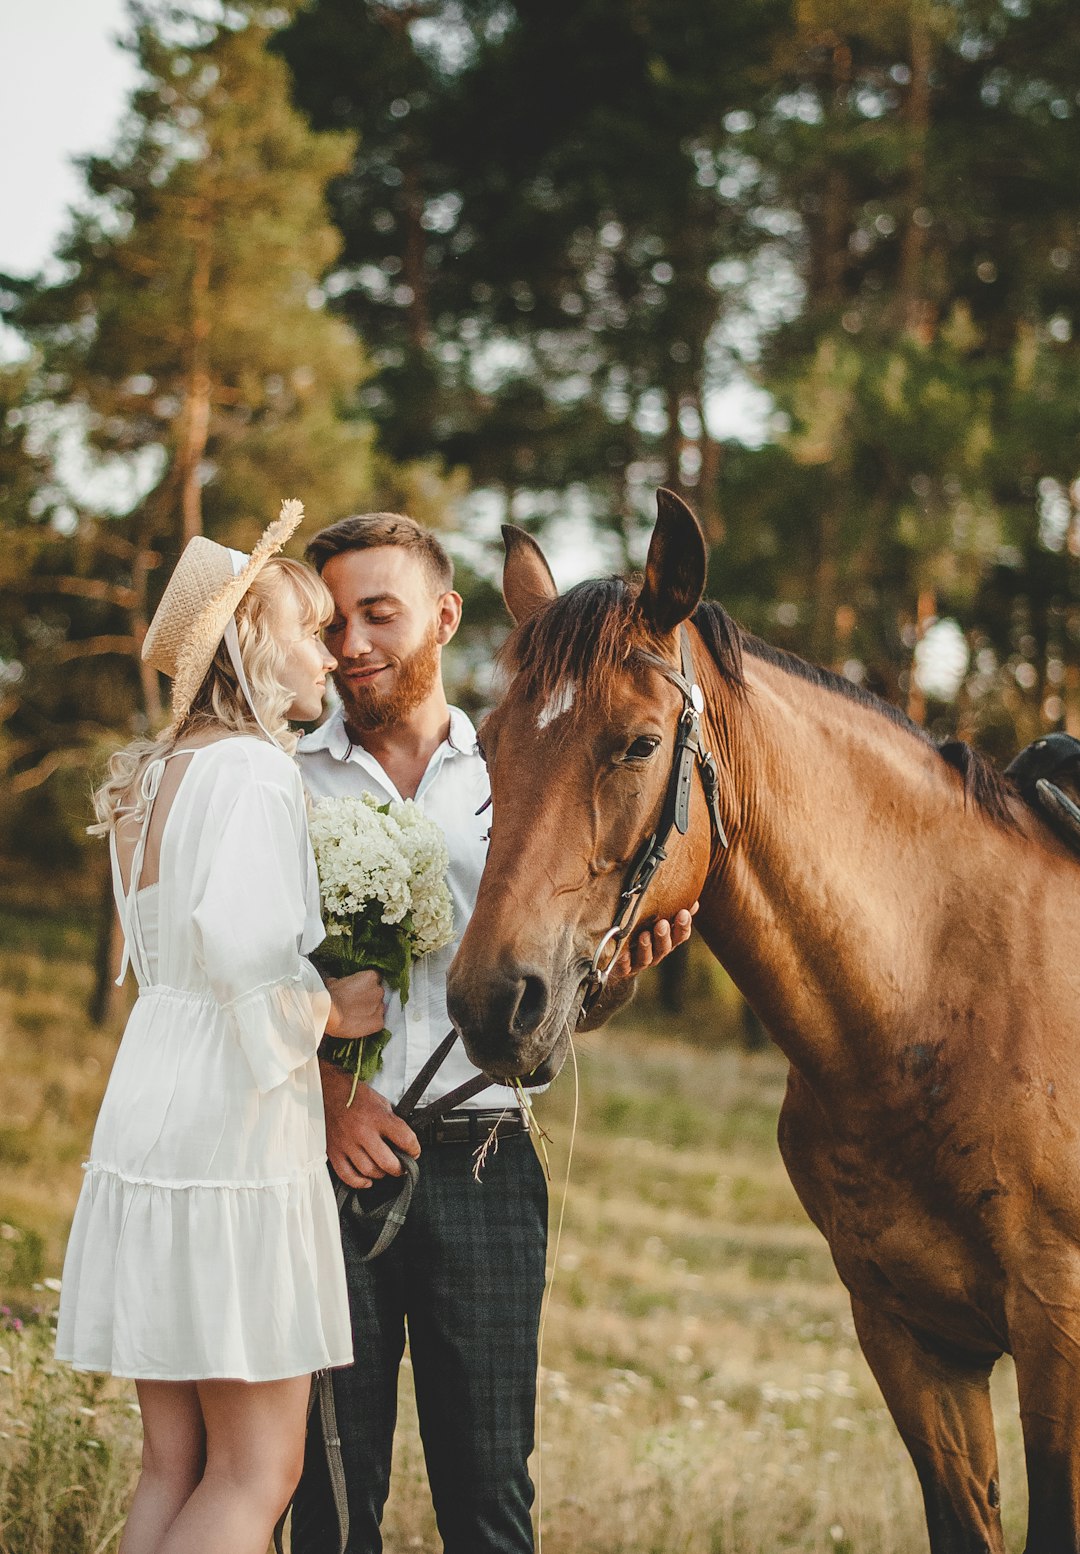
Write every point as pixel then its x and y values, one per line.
pixel 191 322
pixel 187 338
pixel 188 334
pixel 532 226
pixel 928 153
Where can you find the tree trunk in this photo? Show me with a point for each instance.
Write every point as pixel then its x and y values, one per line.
pixel 826 576
pixel 196 420
pixel 836 203
pixel 145 562
pixel 712 520
pixel 107 1000
pixel 915 311
pixel 926 610
pixel 1070 695
pixel 672 438
pixel 415 255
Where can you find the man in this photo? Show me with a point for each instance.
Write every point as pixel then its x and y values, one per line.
pixel 466 1272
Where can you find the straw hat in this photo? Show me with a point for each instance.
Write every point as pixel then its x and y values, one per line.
pixel 198 603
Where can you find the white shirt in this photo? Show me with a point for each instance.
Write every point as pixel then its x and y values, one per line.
pixel 451 791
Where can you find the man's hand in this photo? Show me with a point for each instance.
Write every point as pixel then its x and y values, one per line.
pixel 358 1005
pixel 644 948
pixel 358 1137
pixel 649 947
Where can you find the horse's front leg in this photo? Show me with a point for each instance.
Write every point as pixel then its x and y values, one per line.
pixel 1044 1327
pixel 942 1410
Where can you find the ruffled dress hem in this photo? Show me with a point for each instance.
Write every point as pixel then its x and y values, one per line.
pixel 207 1280
pixel 130 1375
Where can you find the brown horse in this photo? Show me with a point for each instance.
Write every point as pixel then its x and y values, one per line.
pixel 906 927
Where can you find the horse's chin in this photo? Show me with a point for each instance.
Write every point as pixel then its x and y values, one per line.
pixel 550 1066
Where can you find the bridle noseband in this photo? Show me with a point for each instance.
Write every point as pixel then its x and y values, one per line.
pixel 675 815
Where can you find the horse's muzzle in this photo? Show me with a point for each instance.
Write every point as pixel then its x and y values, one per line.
pixel 503 1018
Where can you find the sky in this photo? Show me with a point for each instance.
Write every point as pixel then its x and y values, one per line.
pixel 63 86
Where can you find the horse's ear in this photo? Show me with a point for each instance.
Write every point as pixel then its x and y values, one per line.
pixel 527 580
pixel 675 571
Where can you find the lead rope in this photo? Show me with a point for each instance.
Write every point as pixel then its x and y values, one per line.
pixel 544 1313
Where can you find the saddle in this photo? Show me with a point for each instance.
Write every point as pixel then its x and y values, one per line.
pixel 1047 773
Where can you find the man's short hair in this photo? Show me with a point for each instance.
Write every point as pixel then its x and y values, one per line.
pixel 368 531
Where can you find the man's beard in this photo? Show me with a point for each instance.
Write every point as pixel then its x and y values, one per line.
pixel 368 709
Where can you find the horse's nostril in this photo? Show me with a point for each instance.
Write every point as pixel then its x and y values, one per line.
pixel 532 1005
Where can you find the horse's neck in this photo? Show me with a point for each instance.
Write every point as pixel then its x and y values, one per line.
pixel 854 851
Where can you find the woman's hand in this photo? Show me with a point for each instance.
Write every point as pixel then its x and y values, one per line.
pixel 357 1005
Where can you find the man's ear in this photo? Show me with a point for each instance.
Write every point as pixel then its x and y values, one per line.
pixel 675 569
pixel 449 617
pixel 527 581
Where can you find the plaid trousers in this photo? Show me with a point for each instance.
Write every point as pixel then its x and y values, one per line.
pixel 466 1276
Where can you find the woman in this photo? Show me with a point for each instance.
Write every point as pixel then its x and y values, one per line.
pixel 204 1259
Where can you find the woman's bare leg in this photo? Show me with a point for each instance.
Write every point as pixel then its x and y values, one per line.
pixel 173 1456
pixel 254 1454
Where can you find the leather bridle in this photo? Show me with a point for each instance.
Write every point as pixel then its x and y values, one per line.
pixel 674 816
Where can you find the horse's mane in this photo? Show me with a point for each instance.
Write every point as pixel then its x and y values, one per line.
pixel 984 786
pixel 586 637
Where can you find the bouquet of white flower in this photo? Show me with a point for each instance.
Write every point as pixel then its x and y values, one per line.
pixel 385 901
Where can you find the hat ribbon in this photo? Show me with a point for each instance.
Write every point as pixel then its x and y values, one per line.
pixel 232 643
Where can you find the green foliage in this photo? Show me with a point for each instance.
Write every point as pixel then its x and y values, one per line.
pixel 531 228
pixel 559 231
pixel 372 945
pixel 187 346
pixel 566 227
pixel 192 285
pixel 930 378
pixel 22 1249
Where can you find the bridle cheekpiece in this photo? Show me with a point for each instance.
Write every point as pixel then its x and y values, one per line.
pixel 674 816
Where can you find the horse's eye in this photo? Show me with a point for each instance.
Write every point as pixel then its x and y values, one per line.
pixel 642 748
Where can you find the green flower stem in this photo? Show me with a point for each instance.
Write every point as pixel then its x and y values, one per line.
pixel 370 945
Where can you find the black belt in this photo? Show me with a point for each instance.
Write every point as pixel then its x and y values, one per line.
pixel 472 1126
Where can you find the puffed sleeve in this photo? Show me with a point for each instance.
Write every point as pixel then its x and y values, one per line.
pixel 249 923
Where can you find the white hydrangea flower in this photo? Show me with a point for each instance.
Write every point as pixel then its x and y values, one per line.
pixel 398 859
pixel 424 846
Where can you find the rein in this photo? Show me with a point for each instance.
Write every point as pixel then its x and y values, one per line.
pixel 674 816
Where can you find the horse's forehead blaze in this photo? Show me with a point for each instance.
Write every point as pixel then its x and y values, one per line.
pixel 573 724
pixel 557 704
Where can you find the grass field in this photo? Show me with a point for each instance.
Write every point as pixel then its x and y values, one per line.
pixel 702 1390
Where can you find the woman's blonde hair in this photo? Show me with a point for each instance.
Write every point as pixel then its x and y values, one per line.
pixel 220 703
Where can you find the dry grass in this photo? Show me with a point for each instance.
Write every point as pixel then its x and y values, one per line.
pixel 702 1391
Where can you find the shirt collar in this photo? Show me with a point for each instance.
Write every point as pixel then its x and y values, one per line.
pixel 462 735
pixel 331 736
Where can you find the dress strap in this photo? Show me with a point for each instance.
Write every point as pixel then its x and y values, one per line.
pixel 134 943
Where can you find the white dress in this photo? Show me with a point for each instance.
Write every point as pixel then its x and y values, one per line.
pixel 205 1242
